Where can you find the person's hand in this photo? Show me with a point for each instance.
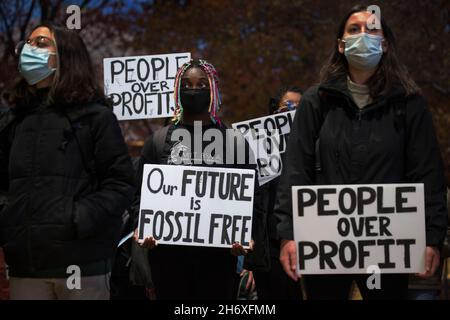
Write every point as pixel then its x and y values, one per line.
pixel 250 285
pixel 432 261
pixel 148 243
pixel 238 250
pixel 288 258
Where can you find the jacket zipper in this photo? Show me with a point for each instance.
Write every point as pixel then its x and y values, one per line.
pixel 30 207
pixel 359 115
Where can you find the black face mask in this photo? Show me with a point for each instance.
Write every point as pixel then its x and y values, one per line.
pixel 195 100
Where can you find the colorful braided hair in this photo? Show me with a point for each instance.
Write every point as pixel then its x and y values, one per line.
pixel 213 79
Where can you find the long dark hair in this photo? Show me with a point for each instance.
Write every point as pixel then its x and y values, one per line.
pixel 74 83
pixel 390 70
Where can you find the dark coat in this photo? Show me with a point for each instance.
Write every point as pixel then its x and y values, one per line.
pixel 66 187
pixel 392 140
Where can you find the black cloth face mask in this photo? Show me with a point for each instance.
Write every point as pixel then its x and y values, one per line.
pixel 195 100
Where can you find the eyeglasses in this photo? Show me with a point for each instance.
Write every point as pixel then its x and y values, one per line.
pixel 39 42
pixel 287 106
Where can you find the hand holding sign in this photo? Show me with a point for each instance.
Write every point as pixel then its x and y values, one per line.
pixel 148 243
pixel 432 261
pixel 288 258
pixel 238 250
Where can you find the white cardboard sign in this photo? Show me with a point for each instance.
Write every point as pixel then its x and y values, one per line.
pixel 342 229
pixel 141 87
pixel 267 137
pixel 196 206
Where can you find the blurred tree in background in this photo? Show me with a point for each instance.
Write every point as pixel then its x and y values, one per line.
pixel 257 45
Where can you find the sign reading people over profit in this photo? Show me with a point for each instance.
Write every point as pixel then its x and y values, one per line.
pixel 348 228
pixel 196 206
pixel 141 87
pixel 267 136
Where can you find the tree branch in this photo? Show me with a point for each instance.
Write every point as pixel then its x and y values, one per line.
pixel 44 10
pixel 54 9
pixel 9 34
pixel 439 88
pixel 84 4
pixel 24 26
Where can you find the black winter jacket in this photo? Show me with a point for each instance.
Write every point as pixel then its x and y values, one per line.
pixel 392 140
pixel 64 187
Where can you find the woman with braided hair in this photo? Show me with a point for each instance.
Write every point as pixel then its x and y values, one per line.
pixel 197 78
pixel 191 272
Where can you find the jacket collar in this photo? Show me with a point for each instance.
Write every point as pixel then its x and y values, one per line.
pixel 9 116
pixel 337 87
pixel 79 112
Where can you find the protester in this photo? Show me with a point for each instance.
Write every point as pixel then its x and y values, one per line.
pixel 367 123
pixel 272 282
pixel 287 99
pixel 188 272
pixel 66 171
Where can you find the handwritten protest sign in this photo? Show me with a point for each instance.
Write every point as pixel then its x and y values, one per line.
pixel 196 206
pixel 267 137
pixel 142 87
pixel 347 228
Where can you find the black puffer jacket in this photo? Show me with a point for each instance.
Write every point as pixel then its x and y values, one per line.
pixel 392 140
pixel 66 187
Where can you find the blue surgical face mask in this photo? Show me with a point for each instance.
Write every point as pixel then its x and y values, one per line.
pixel 363 51
pixel 33 64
